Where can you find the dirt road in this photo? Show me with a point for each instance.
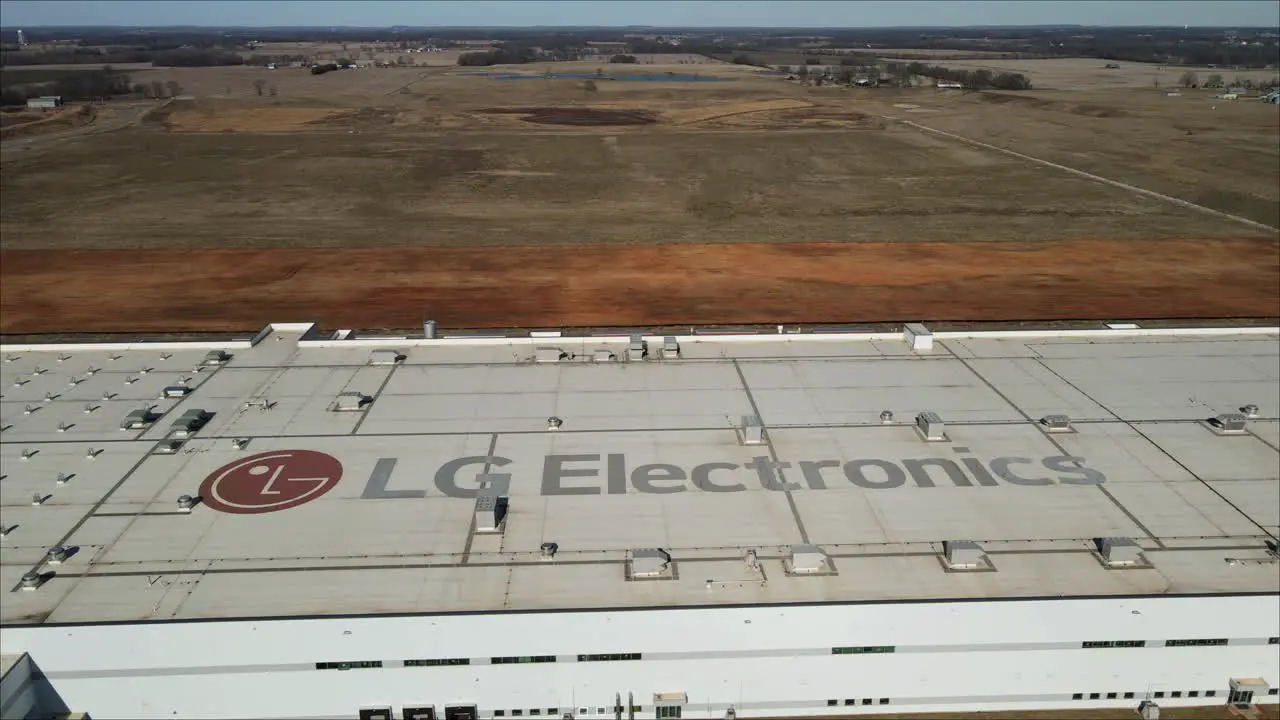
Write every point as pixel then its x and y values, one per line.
pixel 576 286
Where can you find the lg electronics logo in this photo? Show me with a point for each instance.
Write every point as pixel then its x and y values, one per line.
pixel 269 482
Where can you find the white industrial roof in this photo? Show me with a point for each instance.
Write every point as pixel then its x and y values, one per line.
pixel 386 538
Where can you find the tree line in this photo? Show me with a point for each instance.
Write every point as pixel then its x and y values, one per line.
pixel 80 85
pixel 176 57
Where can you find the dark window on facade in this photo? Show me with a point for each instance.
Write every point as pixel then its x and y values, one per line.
pixel 832 703
pixel 884 701
pixel 520 660
pixel 1193 693
pixel 1274 691
pixel 1158 694
pixel 1198 642
pixel 535 711
pixel 1096 644
pixel 1095 696
pixel 553 711
pixel 637 708
pixel 437 662
pixel 866 701
pixel 499 713
pixel 862 650
pixel 1128 696
pixel 1210 693
pixel 1077 696
pixel 517 713
pixel 609 656
pixel 850 701
pixel 1111 696
pixel 599 711
pixel 669 712
pixel 1175 694
pixel 359 665
pixel 1273 641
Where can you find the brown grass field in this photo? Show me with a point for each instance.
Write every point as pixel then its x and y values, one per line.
pixel 584 286
pixel 423 184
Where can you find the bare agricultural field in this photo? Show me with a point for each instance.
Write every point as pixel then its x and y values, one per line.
pixel 1089 74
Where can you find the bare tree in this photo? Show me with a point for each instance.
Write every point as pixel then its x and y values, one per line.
pixel 174 88
pixel 589 86
pixel 1189 79
pixel 157 89
pixel 1215 80
pixel 259 85
pixel 273 91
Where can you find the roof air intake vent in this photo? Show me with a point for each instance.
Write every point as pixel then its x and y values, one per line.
pixel 1228 423
pixel 931 427
pixel 1056 424
pixel 751 431
pixel 650 563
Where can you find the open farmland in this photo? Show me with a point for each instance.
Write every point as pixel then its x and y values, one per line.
pixel 1092 74
pixel 436 167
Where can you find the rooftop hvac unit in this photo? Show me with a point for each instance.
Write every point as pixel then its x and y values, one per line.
pixel 1148 710
pixel 429 333
pixel 670 348
pixel 1228 423
pixel 32 580
pixel 491 509
pixel 931 427
pixel 752 431
pixel 216 357
pixel 1119 552
pixel 918 336
pixel 385 356
pixel 427 712
pixel 807 560
pixel 175 391
pixel 649 562
pixel 963 555
pixel 544 354
pixel 603 355
pixel 189 422
pixel 1056 423
pixel 636 349
pixel 378 713
pixel 350 402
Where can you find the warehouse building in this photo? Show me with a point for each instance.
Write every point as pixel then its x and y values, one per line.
pixel 824 523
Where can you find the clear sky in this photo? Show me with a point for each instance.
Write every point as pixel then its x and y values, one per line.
pixel 740 13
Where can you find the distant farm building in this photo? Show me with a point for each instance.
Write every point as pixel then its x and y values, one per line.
pixel 45 102
pixel 950 86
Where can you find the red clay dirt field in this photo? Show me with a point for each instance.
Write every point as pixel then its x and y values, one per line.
pixel 239 290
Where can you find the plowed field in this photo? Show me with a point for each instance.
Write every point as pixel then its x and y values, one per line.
pixel 573 286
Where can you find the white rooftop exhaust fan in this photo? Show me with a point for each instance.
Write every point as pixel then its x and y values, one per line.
pixel 185 503
pixel 1250 411
pixel 56 555
pixel 931 427
pixel 32 580
pixel 670 348
pixel 548 550
pixel 554 423
pixel 886 416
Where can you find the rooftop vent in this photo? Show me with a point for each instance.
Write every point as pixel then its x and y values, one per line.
pixel 92 370
pixel 39 371
pixel 636 349
pixel 262 404
pixel 185 503
pixel 963 555
pixel 603 355
pixel 92 453
pixel 64 426
pixel 649 562
pixel 215 357
pixel 1056 424
pixel 56 555
pixel 1250 411
pixel 554 423
pixel 89 408
pixel 27 453
pixel 752 560
pixel 49 397
pixel 918 336
pixel 351 402
pixel 751 432
pixel 61 479
pixel 548 550
pixel 63 358
pixel 429 329
pixel 175 391
pixel 239 443
pixel 32 580
pixel 75 381
pixel 385 356
pixel 1228 423
pixel 10 358
pixel 931 427
pixel 1119 552
pixel 137 419
pixel 1148 710
pixel 189 422
pixel 37 499
pixel 546 354
pixel 28 409
pixel 886 416
pixel 670 348
pixel 807 560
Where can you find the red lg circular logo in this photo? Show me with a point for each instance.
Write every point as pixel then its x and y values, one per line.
pixel 271 481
